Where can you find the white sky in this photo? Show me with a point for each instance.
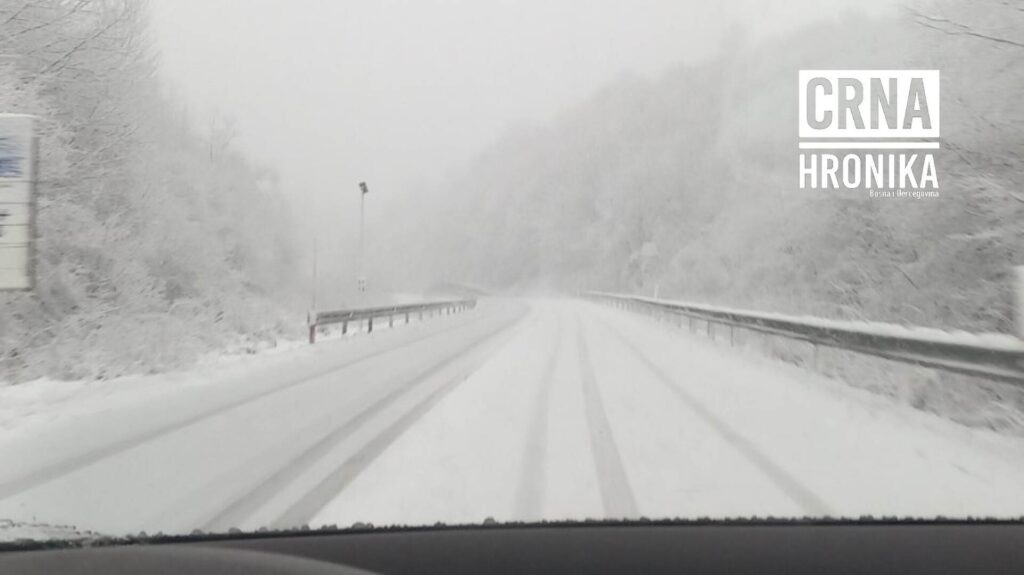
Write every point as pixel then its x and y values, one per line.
pixel 394 92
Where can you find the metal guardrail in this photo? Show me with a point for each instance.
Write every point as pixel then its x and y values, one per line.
pixel 345 316
pixel 992 356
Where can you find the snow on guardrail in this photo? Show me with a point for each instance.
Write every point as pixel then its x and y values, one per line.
pixel 990 355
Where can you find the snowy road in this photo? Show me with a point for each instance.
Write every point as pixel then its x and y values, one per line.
pixel 544 409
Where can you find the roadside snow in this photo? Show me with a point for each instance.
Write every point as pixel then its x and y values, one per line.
pixel 44 403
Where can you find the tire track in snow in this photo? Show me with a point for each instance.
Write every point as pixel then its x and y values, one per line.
pixel 616 495
pixel 241 508
pixel 811 503
pixel 530 492
pixel 305 509
pixel 51 472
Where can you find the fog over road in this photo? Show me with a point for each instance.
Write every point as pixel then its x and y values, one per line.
pixel 517 410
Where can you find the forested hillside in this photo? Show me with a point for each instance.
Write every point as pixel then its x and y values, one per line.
pixel 686 185
pixel 155 243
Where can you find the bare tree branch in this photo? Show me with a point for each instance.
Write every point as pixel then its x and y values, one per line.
pixel 960 29
pixel 84 41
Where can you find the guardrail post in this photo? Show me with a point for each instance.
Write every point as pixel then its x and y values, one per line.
pixel 369 325
pixel 344 327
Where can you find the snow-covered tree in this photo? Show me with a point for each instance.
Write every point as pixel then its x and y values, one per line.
pixel 152 246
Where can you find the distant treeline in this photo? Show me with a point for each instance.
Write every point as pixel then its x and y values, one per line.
pixel 687 185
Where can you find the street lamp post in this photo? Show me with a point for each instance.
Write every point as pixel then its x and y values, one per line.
pixel 311 315
pixel 314 273
pixel 361 280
